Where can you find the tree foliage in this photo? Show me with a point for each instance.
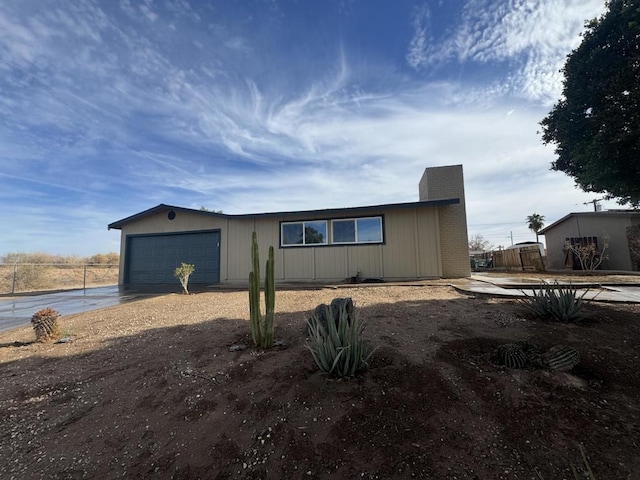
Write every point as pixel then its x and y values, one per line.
pixel 205 209
pixel 478 243
pixel 182 273
pixel 596 125
pixel 535 222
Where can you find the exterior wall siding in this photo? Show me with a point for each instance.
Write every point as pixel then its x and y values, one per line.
pixel 597 224
pixel 411 249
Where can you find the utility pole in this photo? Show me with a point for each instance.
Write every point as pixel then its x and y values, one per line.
pixel 595 203
pixel 511 235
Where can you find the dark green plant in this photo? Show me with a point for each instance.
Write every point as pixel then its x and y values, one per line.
pixel 535 223
pixel 338 348
pixel 182 273
pixel 589 475
pixel 586 468
pixel 510 355
pixel 560 358
pixel 524 354
pixel 261 329
pixel 556 302
pixel 45 325
pixel 594 125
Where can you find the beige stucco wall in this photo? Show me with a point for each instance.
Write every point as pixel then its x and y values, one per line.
pixel 442 183
pixel 595 224
pixel 411 249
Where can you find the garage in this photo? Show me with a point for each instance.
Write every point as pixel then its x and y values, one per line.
pixel 152 259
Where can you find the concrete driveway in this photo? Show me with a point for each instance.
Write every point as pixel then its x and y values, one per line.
pixel 520 286
pixel 17 311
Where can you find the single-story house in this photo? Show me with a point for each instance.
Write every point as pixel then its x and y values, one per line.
pixel 398 241
pixel 618 229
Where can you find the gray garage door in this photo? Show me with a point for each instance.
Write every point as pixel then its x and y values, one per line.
pixel 152 259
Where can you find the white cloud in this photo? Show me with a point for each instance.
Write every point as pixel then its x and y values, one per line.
pixel 131 114
pixel 534 34
pixel 417 54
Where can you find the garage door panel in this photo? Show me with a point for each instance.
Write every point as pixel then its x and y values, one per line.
pixel 153 258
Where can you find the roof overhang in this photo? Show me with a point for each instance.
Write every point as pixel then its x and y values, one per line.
pixel 324 212
pixel 605 214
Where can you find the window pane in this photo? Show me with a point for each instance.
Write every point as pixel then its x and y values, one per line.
pixel 315 232
pixel 369 230
pixel 344 231
pixel 292 234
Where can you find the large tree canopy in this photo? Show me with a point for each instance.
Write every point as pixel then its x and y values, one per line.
pixel 596 125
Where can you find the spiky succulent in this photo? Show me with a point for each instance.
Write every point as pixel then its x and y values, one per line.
pixel 510 355
pixel 45 325
pixel 556 302
pixel 560 358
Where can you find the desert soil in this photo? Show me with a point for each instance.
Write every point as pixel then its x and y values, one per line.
pixel 150 389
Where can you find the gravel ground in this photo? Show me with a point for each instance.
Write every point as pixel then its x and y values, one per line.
pixel 150 389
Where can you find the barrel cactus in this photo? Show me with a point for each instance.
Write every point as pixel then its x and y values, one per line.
pixel 560 358
pixel 45 325
pixel 510 355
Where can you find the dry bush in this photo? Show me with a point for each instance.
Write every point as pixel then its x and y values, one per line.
pixel 111 258
pixel 43 271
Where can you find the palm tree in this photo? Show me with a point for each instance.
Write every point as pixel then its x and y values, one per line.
pixel 535 223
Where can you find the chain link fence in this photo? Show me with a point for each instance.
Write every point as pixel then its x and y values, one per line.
pixel 32 277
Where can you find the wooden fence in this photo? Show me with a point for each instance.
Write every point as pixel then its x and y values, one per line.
pixel 524 258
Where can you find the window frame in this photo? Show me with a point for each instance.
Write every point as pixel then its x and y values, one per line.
pixel 329 230
pixel 355 222
pixel 304 244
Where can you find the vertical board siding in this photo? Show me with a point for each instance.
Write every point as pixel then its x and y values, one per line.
pixel 411 247
pixel 239 250
pixel 399 251
pixel 331 263
pixel 298 263
pixel 365 259
pixel 429 243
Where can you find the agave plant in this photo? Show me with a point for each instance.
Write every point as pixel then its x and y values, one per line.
pixel 563 304
pixel 338 348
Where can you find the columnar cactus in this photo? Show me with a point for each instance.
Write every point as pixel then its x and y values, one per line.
pixel 261 329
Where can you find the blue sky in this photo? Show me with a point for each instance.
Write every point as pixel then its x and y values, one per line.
pixel 112 107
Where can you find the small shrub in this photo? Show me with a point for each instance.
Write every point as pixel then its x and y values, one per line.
pixel 556 302
pixel 45 325
pixel 338 348
pixel 182 273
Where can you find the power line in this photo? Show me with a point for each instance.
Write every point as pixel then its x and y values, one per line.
pixel 493 224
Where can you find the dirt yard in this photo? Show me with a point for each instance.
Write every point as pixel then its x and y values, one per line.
pixel 151 390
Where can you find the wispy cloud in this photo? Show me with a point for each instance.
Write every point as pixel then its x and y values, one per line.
pixel 109 108
pixel 533 35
